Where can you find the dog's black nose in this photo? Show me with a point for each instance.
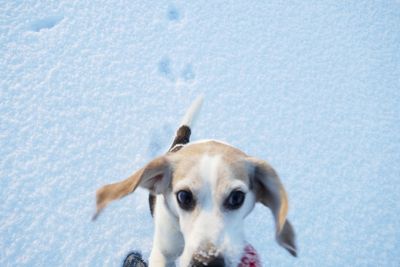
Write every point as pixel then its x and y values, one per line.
pixel 210 262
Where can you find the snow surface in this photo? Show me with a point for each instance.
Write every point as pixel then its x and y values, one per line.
pixel 92 90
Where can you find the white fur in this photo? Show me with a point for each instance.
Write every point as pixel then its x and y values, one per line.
pixel 181 233
pixel 168 241
pixel 192 112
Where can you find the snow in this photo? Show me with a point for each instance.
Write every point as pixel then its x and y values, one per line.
pixel 92 90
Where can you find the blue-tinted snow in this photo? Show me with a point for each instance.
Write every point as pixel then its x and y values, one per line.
pixel 90 91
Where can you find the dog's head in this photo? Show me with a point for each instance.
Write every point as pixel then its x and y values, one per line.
pixel 210 187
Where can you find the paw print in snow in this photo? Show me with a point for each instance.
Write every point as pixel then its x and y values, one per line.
pixel 188 73
pixel 173 14
pixel 165 69
pixel 46 23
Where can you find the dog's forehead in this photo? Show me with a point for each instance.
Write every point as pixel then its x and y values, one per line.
pixel 209 158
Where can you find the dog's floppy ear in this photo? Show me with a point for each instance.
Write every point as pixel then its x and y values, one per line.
pixel 270 192
pixel 155 176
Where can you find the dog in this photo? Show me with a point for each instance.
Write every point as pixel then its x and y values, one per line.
pixel 200 193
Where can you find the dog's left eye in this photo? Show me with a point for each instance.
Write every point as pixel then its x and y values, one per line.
pixel 185 200
pixel 235 200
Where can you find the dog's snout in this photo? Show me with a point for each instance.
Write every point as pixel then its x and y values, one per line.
pixel 209 262
pixel 208 255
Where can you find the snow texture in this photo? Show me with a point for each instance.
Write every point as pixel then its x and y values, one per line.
pixel 92 90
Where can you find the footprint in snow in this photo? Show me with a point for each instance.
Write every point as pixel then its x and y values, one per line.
pixel 165 69
pixel 46 23
pixel 188 73
pixel 173 14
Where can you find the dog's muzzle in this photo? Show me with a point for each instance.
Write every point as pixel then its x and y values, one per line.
pixel 208 256
pixel 210 262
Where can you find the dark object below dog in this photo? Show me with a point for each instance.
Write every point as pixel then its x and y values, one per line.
pixel 134 259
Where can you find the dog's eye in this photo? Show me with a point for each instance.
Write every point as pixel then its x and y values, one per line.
pixel 235 200
pixel 185 199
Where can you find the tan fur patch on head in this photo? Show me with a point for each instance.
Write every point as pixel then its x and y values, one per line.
pixel 185 160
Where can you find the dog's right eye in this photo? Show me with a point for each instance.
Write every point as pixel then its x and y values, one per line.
pixel 235 200
pixel 185 199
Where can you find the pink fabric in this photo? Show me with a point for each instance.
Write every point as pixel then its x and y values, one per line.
pixel 250 258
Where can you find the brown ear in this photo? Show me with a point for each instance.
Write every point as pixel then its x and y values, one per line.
pixel 270 192
pixel 155 176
